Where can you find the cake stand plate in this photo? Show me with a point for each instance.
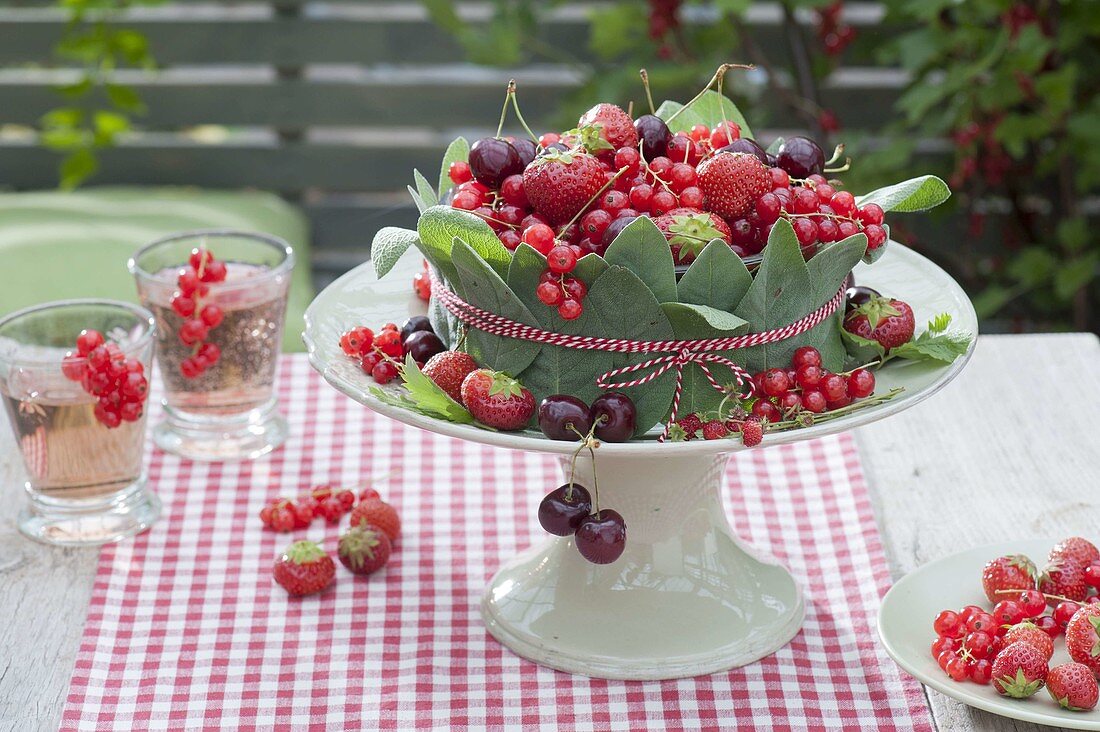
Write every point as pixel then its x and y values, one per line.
pixel 687 597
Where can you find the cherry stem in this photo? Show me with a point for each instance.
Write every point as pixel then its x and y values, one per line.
pixel 519 114
pixel 837 152
pixel 721 70
pixel 592 200
pixel 645 85
pixel 507 98
pixel 847 165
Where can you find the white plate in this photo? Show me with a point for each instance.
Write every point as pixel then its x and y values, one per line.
pixel 905 627
pixel 359 298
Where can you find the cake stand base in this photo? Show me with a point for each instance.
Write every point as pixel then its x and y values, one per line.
pixel 685 598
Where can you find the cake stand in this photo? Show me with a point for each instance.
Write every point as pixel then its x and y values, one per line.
pixel 687 597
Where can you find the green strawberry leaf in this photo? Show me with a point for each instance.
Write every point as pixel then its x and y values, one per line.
pixel 389 244
pixel 939 323
pixel 438 228
pixel 915 194
pixel 642 249
pixel 459 149
pixel 424 189
pixel 717 278
pixel 429 398
pixel 485 289
pixel 713 107
pixel 862 350
pixel 780 294
pixel 683 121
pixel 944 347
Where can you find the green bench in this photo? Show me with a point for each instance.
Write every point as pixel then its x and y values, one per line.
pixel 56 245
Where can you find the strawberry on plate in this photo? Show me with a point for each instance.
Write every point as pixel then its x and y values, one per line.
pixel 364 549
pixel 1019 670
pixel 497 400
pixel 1076 549
pixel 1064 578
pixel 731 182
pixel 560 183
pixel 688 230
pixel 1073 686
pixel 376 513
pixel 614 124
pixel 448 370
pixel 1010 572
pixel 1083 637
pixel 882 319
pixel 1033 635
pixel 304 568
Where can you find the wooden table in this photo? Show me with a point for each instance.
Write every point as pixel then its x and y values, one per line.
pixel 1009 450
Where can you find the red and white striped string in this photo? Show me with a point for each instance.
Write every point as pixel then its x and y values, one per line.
pixel 681 352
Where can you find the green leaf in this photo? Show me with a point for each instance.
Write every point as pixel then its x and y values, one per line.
pixel 915 194
pixel 438 228
pixel 429 398
pixel 421 204
pixel 717 278
pixel 485 289
pixel 683 121
pixel 1075 274
pixel 774 147
pixel 110 124
pixel 459 149
pixel 829 268
pixel 713 107
pixel 939 323
pixel 862 350
pixel 700 321
pixel 424 189
pixel 945 347
pixel 780 294
pixel 77 168
pixel 642 249
pixel 125 98
pixel 589 267
pixel 389 244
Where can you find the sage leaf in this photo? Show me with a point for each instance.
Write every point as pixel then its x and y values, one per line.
pixel 713 107
pixel 642 249
pixel 717 278
pixel 389 244
pixel 697 322
pixel 424 189
pixel 459 149
pixel 915 194
pixel 421 204
pixel 829 267
pixel 439 226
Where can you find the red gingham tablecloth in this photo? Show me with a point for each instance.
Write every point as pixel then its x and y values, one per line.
pixel 187 630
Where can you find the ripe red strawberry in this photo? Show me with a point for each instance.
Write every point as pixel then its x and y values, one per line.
pixel 1019 670
pixel 752 432
pixel 688 230
pixel 377 513
pixel 614 125
pixel 497 400
pixel 364 548
pixel 1073 687
pixel 1065 578
pixel 448 370
pixel 731 182
pixel 1010 572
pixel 560 183
pixel 304 568
pixel 1033 635
pixel 1083 636
pixel 714 430
pixel 888 321
pixel 1082 551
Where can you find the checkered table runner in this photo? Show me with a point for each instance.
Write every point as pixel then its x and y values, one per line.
pixel 187 630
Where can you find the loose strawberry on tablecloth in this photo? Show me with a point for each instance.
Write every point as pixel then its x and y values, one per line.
pixel 304 568
pixel 1083 637
pixel 364 549
pixel 1010 572
pixel 1019 671
pixel 886 320
pixel 731 183
pixel 688 230
pixel 375 512
pixel 560 183
pixel 1073 686
pixel 498 400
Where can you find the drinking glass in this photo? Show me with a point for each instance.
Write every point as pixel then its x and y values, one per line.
pixel 85 479
pixel 229 410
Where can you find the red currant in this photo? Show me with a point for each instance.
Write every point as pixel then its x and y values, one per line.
pixel 575 288
pixel 550 293
pixel 806 356
pixel 725 133
pixel 1063 611
pixel 982 621
pixel 1032 602
pixel 876 236
pixel 614 201
pixel 827 230
pixel 774 382
pixel 764 409
pixel 641 197
pixel 188 281
pixel 459 172
pixel 943 643
pixel 871 213
pixel 628 157
pixel 212 316
pixel 813 401
pixel 389 343
pixel 681 176
pixel 570 309
pixel 768 208
pixel 806 231
pixel 183 305
pixel 513 192
pixel 834 387
pixel 846 229
pixel 780 178
pixel 595 223
pixel 809 376
pixel 844 203
pixel 982 671
pixel 465 200
pixel 804 201
pixel 210 353
pixel 561 259
pixel 192 331
pixel 190 368
pixel 383 372
pixel 791 402
pixel 540 237
pixel 861 383
pixel 662 202
pixel 1008 612
pixel 691 197
pixel 215 271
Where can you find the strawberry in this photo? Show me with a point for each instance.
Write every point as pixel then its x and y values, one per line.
pixel 1073 687
pixel 731 182
pixel 752 432
pixel 1083 636
pixel 448 369
pixel 888 321
pixel 376 513
pixel 1033 635
pixel 715 430
pixel 1010 572
pixel 560 183
pixel 1075 548
pixel 304 568
pixel 614 125
pixel 1064 578
pixel 1019 670
pixel 364 549
pixel 688 230
pixel 498 400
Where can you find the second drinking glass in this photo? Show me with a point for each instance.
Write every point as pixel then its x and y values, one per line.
pixel 219 298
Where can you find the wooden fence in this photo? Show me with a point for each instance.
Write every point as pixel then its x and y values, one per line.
pixel 330 104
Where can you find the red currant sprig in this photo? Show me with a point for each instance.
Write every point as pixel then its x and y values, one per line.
pixel 190 302
pixel 286 514
pixel 422 284
pixel 117 382
pixel 379 354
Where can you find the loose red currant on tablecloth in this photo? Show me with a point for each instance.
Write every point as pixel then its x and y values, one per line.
pixel 104 371
pixel 189 302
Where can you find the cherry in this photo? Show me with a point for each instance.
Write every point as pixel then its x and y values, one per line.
pixel 561 417
pixel 525 148
pixel 614 228
pixel 601 537
pixel 563 509
pixel 748 146
pixel 459 172
pixel 413 324
pixel 801 157
pixel 422 345
pixel 861 383
pixel 492 160
pixel 858 295
pixel 615 417
pixel 653 134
